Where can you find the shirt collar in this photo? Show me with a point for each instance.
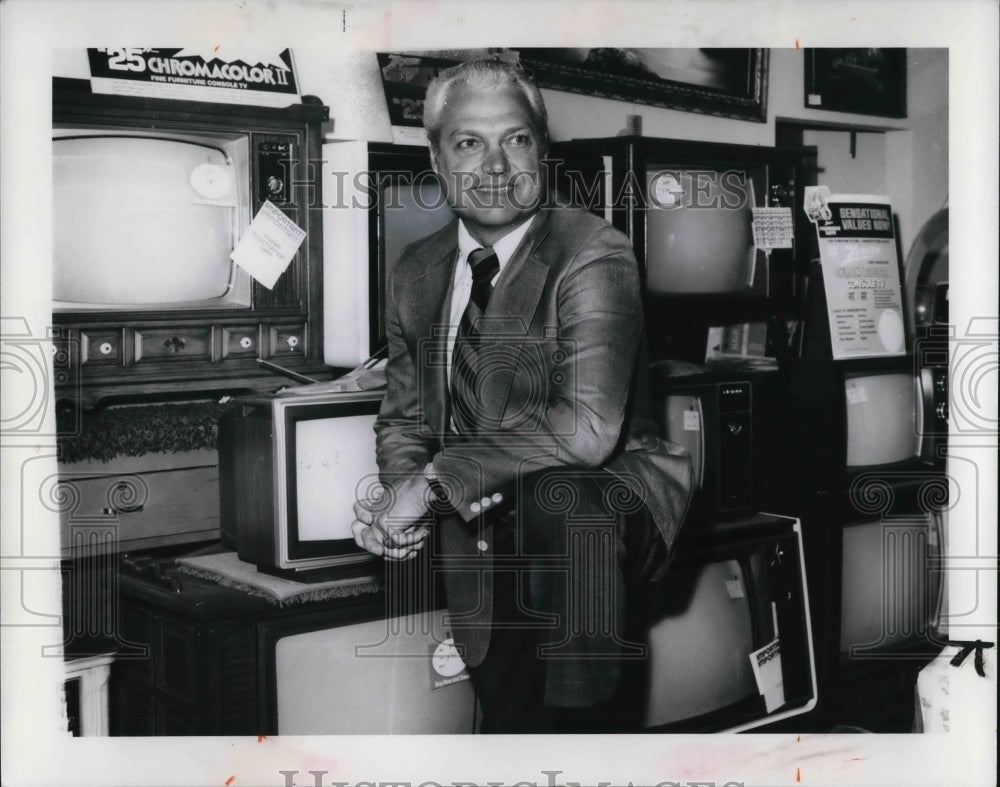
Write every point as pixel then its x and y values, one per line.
pixel 504 248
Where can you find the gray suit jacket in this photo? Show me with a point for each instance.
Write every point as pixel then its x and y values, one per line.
pixel 566 381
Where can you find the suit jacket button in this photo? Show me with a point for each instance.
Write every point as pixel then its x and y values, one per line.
pixel 486 502
pixel 497 497
pixel 482 546
pixel 475 507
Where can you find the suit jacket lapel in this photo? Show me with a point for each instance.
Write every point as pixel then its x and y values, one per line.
pixel 431 308
pixel 511 309
pixel 520 286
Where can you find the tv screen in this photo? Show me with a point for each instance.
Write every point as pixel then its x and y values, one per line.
pixel 334 457
pixel 729 635
pixel 290 468
pixel 145 221
pixel 701 651
pixel 397 676
pixel 682 423
pixel 882 425
pixel 699 231
pixel 409 212
pixel 890 586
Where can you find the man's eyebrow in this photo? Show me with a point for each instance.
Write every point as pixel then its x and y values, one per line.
pixel 472 132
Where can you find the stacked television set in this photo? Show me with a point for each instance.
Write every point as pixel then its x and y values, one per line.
pixel 738 582
pixel 869 481
pixel 688 208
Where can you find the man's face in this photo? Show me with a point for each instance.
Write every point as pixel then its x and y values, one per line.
pixel 489 157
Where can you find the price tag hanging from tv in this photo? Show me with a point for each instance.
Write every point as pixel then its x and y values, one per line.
pixel 857 249
pixel 221 74
pixel 268 245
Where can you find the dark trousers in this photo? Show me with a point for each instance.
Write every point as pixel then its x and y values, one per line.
pixel 511 682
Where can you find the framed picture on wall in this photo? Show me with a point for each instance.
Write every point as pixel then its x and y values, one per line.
pixel 728 82
pixel 863 81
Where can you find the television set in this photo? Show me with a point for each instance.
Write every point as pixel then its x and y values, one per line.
pixel 699 231
pixel 711 413
pixel 391 675
pixel 150 198
pixel 878 588
pixel 691 210
pixel 853 419
pixel 381 197
pixel 730 633
pixel 891 585
pixel 148 220
pixel 290 468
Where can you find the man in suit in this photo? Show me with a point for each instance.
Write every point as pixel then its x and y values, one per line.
pixel 515 427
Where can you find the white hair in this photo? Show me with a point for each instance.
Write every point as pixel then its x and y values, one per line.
pixel 486 73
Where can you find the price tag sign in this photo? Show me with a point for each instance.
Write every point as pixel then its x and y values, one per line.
pixel 268 245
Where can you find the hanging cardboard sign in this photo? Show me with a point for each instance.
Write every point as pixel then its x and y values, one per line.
pixel 857 249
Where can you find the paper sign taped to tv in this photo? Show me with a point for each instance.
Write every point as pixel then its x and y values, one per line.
pixel 766 664
pixel 268 245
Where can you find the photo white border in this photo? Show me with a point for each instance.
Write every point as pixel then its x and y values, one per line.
pixel 35 753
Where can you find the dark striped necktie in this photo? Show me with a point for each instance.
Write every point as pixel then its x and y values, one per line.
pixel 464 394
pixel 484 265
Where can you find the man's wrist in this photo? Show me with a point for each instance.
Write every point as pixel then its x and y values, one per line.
pixel 439 495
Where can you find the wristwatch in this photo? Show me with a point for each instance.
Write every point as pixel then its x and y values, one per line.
pixel 440 503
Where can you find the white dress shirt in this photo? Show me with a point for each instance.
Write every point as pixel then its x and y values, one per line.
pixel 461 286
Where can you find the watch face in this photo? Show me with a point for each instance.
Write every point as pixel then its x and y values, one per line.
pixel 445 660
pixel 211 181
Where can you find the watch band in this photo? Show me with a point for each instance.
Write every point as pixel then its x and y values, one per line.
pixel 440 504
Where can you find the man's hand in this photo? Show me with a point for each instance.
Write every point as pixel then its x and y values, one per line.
pixel 392 523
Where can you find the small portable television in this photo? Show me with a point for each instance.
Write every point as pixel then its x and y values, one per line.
pixel 290 469
pixel 730 635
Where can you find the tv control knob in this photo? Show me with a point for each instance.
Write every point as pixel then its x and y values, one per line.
pixel 735 428
pixel 174 344
pixel 942 411
pixel 275 186
pixel 106 348
pixel 293 342
pixel 246 342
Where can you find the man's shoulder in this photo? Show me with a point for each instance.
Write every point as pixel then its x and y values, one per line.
pixel 565 217
pixel 427 250
pixel 573 229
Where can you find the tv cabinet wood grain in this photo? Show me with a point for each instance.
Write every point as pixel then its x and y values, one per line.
pixel 208 668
